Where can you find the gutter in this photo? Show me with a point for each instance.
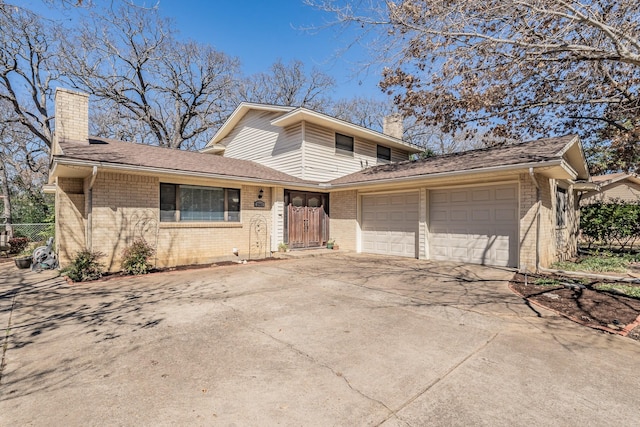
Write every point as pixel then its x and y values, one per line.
pixel 505 168
pixel 538 203
pixel 160 171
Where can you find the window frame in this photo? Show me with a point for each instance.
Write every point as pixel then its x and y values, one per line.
pixel 229 215
pixel 383 159
pixel 562 202
pixel 340 149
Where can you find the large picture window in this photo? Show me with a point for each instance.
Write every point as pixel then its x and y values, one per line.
pixel 195 203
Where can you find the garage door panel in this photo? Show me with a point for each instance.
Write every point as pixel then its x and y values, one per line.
pixel 390 224
pixel 459 196
pixel 506 194
pixel 480 227
pixel 440 197
pixel 480 195
pixel 481 214
pixel 459 215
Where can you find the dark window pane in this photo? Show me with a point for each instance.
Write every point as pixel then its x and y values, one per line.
pixel 344 142
pixel 167 202
pixel 201 203
pixel 561 207
pixel 194 203
pixel 233 204
pixel 384 153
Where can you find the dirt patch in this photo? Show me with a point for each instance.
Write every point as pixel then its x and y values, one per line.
pixel 580 302
pixel 119 275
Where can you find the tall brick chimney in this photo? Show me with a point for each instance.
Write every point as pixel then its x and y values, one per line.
pixel 392 125
pixel 71 116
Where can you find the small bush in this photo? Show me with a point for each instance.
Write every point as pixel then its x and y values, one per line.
pixel 18 244
pixel 135 258
pixel 85 266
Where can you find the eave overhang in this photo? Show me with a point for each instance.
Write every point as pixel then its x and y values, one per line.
pixel 305 115
pixel 548 168
pixel 236 116
pixel 75 168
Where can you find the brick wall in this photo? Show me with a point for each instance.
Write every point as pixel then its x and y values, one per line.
pixel 184 243
pixel 343 222
pixel 555 243
pixel 70 218
pixel 126 207
pixel 528 222
pixel 72 115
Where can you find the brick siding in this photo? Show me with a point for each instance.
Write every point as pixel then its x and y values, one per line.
pixel 344 221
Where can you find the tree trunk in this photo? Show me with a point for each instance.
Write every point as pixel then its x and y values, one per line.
pixel 6 198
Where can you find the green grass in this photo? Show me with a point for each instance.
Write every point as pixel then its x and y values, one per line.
pixel 546 282
pixel 599 264
pixel 629 290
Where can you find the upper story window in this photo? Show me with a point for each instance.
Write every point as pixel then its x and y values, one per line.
pixel 194 203
pixel 384 153
pixel 561 207
pixel 344 142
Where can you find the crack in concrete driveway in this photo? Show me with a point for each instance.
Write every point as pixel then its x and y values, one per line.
pixel 337 340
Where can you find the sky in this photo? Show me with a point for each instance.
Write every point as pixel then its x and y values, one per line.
pixel 259 32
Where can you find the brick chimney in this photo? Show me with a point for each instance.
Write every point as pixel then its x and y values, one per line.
pixel 71 116
pixel 392 125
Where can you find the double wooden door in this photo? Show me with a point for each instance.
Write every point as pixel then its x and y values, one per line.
pixel 307 220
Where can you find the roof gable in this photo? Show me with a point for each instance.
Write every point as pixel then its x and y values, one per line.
pixel 293 115
pixel 237 115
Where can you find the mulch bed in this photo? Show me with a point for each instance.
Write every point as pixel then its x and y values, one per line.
pixel 579 301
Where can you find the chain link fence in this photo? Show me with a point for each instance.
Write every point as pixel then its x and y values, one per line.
pixel 36 232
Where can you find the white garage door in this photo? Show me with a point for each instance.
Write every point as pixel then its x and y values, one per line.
pixel 478 225
pixel 390 224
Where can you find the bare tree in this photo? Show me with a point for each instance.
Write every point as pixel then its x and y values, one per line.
pixel 288 84
pixel 370 113
pixel 23 162
pixel 366 112
pixel 130 58
pixel 521 68
pixel 27 70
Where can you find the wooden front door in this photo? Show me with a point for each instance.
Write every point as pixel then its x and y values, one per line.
pixel 307 220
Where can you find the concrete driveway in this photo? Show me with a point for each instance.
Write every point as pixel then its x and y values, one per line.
pixel 334 340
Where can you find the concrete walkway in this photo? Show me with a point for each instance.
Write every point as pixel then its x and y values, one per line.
pixel 333 340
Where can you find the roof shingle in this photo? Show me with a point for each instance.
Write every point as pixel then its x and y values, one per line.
pixel 523 153
pixel 133 154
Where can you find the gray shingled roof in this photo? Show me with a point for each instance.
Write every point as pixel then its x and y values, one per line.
pixel 108 151
pixel 541 150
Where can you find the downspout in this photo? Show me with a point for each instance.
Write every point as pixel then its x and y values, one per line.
pixel 94 174
pixel 539 203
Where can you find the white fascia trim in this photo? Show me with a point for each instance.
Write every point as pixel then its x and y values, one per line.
pixel 238 114
pixel 304 114
pixel 522 166
pixel 570 170
pixel 576 141
pixel 160 171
